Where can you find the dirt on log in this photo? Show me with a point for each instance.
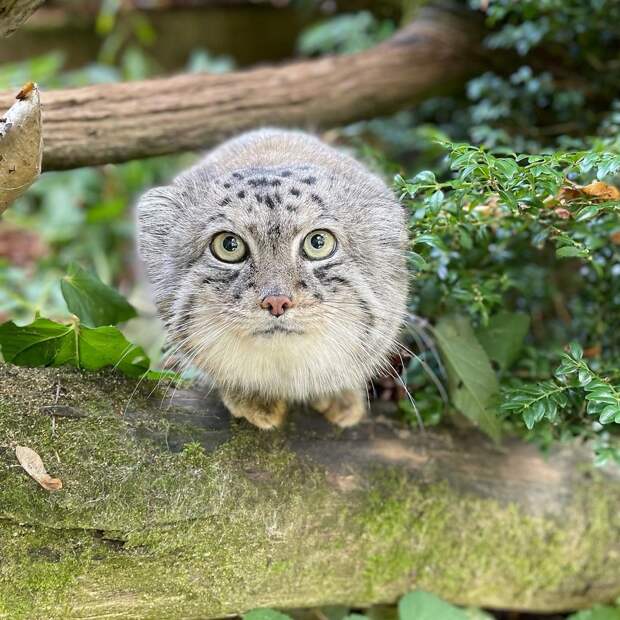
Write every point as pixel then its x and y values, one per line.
pixel 170 509
pixel 118 122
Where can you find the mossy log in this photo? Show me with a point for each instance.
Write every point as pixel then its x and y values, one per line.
pixel 171 510
pixel 108 123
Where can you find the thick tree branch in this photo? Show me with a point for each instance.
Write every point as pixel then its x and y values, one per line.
pixel 21 145
pixel 13 13
pixel 118 122
pixel 173 511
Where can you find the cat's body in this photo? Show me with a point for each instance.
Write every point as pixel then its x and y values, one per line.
pixel 278 266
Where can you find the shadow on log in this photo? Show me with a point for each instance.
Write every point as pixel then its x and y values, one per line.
pixel 176 511
pixel 117 122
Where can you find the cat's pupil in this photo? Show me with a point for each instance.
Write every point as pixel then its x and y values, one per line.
pixel 230 244
pixel 317 241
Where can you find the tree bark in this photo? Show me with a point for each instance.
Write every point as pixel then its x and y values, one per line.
pixel 118 122
pixel 13 13
pixel 169 509
pixel 21 145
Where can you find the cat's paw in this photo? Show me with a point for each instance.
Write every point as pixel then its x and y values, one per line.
pixel 344 409
pixel 264 415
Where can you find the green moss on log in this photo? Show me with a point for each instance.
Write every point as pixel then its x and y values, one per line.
pixel 149 532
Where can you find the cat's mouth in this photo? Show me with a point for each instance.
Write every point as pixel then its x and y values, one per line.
pixel 272 330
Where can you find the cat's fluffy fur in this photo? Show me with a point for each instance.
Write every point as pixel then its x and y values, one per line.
pixel 272 187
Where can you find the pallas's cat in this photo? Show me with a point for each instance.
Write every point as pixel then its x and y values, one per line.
pixel 278 266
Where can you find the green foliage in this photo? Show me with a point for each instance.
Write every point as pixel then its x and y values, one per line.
pixel 345 34
pixel 599 612
pixel 421 605
pixel 265 614
pixel 92 301
pixel 472 383
pixel 503 238
pixel 88 341
pixel 46 343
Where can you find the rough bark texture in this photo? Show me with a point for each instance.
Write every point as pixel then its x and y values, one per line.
pixel 14 12
pixel 118 122
pixel 21 145
pixel 175 511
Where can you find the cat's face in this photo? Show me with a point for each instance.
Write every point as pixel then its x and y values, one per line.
pixel 289 282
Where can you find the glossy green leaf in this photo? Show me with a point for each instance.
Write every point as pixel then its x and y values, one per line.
pixel 597 613
pixel 46 343
pixel 421 605
pixel 94 302
pixel 473 386
pixel 265 614
pixel 503 337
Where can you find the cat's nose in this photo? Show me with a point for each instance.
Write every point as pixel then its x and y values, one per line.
pixel 276 304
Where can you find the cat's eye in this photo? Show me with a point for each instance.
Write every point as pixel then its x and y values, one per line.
pixel 319 244
pixel 228 247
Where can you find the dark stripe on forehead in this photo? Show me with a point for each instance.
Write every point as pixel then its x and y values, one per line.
pixel 262 182
pixel 316 198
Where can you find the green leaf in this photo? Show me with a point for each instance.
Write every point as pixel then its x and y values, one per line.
pixel 609 414
pixel 417 261
pixel 421 605
pixel 588 213
pixel 265 614
pixel 426 177
pixel 597 613
pixel 575 350
pixel 46 343
pixel 503 337
pixel 472 383
pixel 570 251
pixel 94 302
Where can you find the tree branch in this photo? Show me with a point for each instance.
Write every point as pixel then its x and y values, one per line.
pixel 13 13
pixel 21 145
pixel 119 122
pixel 172 510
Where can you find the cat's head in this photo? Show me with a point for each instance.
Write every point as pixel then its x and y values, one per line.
pixel 286 281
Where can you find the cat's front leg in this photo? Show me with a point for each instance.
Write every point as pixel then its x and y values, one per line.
pixel 262 413
pixel 344 409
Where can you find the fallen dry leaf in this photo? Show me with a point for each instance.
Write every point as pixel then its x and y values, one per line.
pixel 597 190
pixel 601 190
pixel 33 466
pixel 615 237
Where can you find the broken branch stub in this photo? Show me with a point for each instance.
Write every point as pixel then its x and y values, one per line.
pixel 13 13
pixel 21 145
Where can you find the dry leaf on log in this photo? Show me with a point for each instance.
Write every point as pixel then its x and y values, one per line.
pixel 34 467
pixel 21 145
pixel 597 190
